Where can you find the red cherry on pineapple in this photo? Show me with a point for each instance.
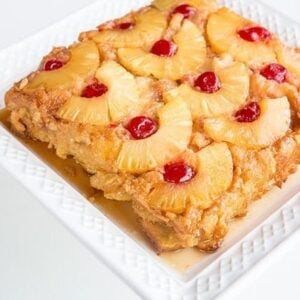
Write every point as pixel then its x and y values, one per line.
pixel 207 82
pixel 255 34
pixel 52 64
pixel 142 127
pixel 164 48
pixel 125 26
pixel 186 10
pixel 249 113
pixel 274 72
pixel 95 89
pixel 178 172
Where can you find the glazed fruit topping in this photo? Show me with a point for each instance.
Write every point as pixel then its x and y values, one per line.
pixel 255 34
pixel 274 72
pixel 164 48
pixel 52 64
pixel 95 89
pixel 125 26
pixel 207 82
pixel 249 113
pixel 142 127
pixel 186 10
pixel 178 172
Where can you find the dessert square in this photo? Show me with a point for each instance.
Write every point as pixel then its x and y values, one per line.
pixel 184 108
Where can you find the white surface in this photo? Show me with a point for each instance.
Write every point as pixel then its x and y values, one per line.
pixel 37 254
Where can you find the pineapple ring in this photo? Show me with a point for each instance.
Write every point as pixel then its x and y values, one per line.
pixel 234 78
pixel 83 63
pixel 214 167
pixel 149 26
pixel 289 58
pixel 222 28
pixel 171 139
pixel 210 5
pixel 273 124
pixel 121 100
pixel 191 54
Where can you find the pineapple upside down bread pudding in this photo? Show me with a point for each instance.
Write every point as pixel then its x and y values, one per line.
pixel 183 107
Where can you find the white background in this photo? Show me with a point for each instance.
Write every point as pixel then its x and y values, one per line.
pixel 39 258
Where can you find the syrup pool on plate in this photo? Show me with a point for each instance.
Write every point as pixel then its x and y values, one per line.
pixel 73 173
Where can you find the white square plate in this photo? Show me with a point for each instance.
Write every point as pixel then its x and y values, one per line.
pixel 270 222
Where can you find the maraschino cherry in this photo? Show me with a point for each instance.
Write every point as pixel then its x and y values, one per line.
pixel 186 10
pixel 255 34
pixel 164 48
pixel 248 113
pixel 178 172
pixel 95 89
pixel 125 26
pixel 207 82
pixel 142 127
pixel 274 72
pixel 53 64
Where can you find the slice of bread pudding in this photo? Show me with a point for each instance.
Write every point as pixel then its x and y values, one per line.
pixel 185 109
